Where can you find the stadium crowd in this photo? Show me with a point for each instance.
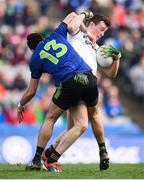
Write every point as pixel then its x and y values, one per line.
pixel 18 18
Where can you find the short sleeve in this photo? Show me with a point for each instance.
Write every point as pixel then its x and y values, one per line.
pixel 35 73
pixel 35 68
pixel 62 29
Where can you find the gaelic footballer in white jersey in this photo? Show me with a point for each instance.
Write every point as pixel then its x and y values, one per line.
pixel 85 49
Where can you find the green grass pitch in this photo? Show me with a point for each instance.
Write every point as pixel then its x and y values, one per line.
pixel 76 171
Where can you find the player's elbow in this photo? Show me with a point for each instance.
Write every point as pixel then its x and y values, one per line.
pixel 71 28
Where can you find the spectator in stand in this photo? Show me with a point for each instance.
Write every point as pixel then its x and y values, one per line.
pixel 105 85
pixel 136 75
pixel 19 83
pixel 11 113
pixel 2 12
pixel 2 114
pixel 19 55
pixel 3 92
pixel 31 13
pixel 30 117
pixel 44 5
pixel 4 81
pixel 113 106
pixel 38 111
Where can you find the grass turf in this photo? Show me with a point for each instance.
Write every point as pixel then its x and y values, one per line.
pixel 76 171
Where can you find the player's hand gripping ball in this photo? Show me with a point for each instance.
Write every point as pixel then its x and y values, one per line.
pixel 106 54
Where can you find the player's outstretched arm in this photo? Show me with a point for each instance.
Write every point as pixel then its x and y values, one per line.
pixel 28 95
pixel 112 70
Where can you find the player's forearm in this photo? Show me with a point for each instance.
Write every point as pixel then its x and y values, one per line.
pixel 115 67
pixel 112 70
pixel 26 98
pixel 76 22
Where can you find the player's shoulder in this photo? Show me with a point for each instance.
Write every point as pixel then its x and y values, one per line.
pixel 35 58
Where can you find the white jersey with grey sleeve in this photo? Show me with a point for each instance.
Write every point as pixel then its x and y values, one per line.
pixel 85 49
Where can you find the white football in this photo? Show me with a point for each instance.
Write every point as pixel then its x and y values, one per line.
pixel 101 60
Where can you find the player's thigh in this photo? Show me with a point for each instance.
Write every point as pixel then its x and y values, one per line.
pixel 79 114
pixel 54 112
pixel 66 95
pixel 90 93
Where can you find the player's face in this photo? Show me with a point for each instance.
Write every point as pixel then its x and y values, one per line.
pixel 97 30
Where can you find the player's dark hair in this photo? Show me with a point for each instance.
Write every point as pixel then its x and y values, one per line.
pixel 33 40
pixel 97 18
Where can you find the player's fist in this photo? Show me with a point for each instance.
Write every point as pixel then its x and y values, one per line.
pixel 88 14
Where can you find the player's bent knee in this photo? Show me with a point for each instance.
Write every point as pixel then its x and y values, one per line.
pixel 83 127
pixel 94 118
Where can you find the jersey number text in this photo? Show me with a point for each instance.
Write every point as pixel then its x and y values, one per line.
pixel 52 44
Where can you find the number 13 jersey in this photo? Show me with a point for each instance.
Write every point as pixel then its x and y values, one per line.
pixel 57 57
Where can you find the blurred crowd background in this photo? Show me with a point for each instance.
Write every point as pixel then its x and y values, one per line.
pixel 18 18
